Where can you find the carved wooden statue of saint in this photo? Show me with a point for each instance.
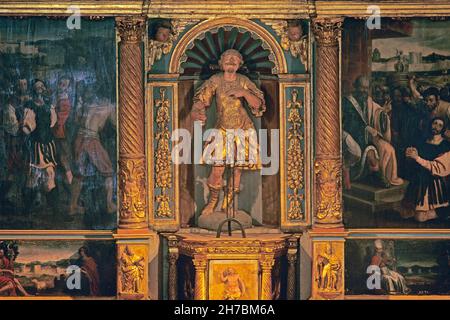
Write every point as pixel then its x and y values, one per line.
pixel 233 143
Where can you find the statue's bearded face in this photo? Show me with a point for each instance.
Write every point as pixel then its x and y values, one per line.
pixel 230 63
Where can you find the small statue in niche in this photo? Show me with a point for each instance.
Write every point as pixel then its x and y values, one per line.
pixel 161 41
pixel 295 39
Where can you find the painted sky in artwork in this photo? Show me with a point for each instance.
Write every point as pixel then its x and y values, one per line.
pixel 51 251
pixel 35 29
pixel 428 37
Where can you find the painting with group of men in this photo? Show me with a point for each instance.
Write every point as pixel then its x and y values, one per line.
pixel 396 124
pixel 57 124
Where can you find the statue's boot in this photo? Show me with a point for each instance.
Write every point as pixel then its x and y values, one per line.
pixel 228 199
pixel 212 203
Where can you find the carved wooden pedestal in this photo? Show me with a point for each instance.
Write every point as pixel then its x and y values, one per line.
pixel 233 268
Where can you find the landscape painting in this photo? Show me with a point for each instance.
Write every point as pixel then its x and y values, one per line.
pixel 397 267
pixel 57 268
pixel 395 122
pixel 57 124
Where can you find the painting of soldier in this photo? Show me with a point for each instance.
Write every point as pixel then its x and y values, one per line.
pixel 394 100
pixel 57 123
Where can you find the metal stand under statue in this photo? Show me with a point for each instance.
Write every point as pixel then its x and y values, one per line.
pixel 234 218
pixel 230 212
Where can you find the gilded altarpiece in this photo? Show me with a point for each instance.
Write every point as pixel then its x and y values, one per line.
pixel 303 56
pixel 176 70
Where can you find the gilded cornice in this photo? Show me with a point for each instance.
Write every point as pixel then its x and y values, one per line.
pixel 263 9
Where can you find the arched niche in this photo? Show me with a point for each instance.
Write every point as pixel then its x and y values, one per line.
pixel 254 29
pixel 276 200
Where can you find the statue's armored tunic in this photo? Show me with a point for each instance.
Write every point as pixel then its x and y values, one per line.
pixel 232 116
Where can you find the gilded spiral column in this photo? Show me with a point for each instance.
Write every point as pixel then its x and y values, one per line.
pixel 132 187
pixel 328 165
pixel 173 258
pixel 266 263
pixel 200 278
pixel 292 266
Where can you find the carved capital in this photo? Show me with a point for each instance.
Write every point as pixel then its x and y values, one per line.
pixel 327 31
pixel 292 258
pixel 293 242
pixel 132 193
pixel 131 29
pixel 266 262
pixel 200 264
pixel 328 189
pixel 172 241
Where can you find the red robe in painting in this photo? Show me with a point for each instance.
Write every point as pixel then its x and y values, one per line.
pixel 63 108
pixel 90 267
pixel 6 278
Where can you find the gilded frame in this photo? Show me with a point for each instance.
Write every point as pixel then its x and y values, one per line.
pixel 251 9
pixel 142 239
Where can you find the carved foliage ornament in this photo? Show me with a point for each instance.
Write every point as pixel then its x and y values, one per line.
pixel 132 187
pixel 157 48
pixel 130 29
pixel 297 48
pixel 163 167
pixel 295 157
pixel 328 181
pixel 327 31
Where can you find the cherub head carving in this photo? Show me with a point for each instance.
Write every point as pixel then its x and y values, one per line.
pixel 163 31
pixel 294 30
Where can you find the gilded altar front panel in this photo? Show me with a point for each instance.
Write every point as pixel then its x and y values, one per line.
pixel 233 280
